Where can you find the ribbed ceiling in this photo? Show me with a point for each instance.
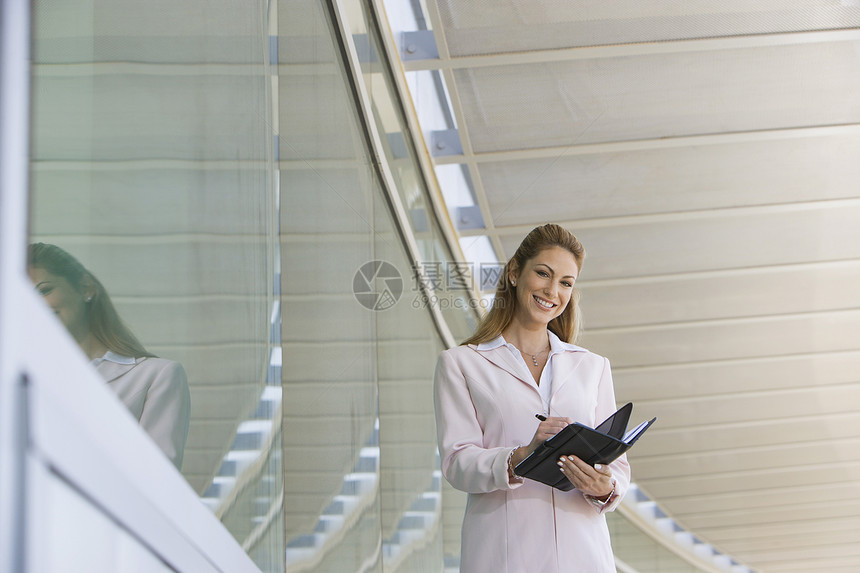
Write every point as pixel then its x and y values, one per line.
pixel 706 155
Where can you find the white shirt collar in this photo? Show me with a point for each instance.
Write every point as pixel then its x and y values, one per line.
pixel 494 343
pixel 558 345
pixel 111 356
pixel 555 344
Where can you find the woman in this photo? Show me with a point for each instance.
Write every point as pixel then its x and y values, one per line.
pixel 520 363
pixel 155 390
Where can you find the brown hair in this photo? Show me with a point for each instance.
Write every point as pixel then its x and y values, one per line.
pixel 104 321
pixel 566 325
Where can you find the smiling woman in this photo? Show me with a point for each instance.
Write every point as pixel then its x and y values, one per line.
pixel 154 390
pixel 565 323
pixel 521 362
pixel 544 286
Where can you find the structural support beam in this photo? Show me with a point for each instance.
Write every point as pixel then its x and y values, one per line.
pixel 627 50
pixel 650 144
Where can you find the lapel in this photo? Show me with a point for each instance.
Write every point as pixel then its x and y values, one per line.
pixel 501 357
pixel 110 371
pixel 564 367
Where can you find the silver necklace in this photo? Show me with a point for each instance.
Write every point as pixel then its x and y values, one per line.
pixel 535 356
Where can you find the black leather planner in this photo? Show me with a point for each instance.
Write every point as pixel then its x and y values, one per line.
pixel 600 445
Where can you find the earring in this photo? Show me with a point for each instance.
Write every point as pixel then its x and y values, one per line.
pixel 513 284
pixel 89 299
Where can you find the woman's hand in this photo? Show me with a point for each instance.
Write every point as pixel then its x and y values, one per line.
pixel 547 429
pixel 594 481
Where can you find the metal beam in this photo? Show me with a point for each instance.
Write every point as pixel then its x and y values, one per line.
pixel 650 144
pixel 627 50
pixel 672 217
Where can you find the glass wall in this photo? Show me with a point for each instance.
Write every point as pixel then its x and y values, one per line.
pixel 359 341
pixel 210 166
pixel 153 165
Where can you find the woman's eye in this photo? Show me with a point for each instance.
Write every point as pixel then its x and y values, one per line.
pixel 45 290
pixel 543 273
pixel 567 284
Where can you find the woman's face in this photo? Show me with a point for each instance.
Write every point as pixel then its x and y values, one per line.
pixel 67 302
pixel 545 285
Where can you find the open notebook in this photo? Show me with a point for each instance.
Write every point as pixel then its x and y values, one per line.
pixel 600 445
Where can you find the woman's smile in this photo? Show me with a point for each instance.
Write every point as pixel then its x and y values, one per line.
pixel 547 279
pixel 544 303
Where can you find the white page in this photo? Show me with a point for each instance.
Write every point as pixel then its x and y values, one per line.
pixel 634 432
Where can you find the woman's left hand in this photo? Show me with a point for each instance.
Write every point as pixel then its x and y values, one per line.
pixel 594 481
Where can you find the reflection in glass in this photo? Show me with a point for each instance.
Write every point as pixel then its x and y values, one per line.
pixel 640 552
pixel 330 423
pixel 154 390
pixel 153 161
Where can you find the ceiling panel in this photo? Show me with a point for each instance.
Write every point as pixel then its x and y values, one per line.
pixel 819 512
pixel 747 238
pixel 681 178
pixel 761 374
pixel 735 293
pixel 714 185
pixel 813 452
pixel 727 482
pixel 697 510
pixel 729 436
pixel 476 27
pixel 659 95
pixel 761 407
pixel 728 339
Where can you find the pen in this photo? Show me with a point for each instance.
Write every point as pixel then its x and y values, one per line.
pixel 540 417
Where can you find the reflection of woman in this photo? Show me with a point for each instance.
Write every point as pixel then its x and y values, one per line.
pixel 155 390
pixel 517 364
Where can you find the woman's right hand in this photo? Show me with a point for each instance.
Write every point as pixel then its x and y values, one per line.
pixel 547 429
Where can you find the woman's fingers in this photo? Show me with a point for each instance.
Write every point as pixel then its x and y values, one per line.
pixel 603 469
pixel 553 425
pixel 592 471
pixel 547 429
pixel 591 480
pixel 571 472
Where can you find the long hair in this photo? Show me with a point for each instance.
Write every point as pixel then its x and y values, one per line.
pixel 566 325
pixel 104 321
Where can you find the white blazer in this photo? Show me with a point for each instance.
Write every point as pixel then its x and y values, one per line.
pixel 485 405
pixel 155 390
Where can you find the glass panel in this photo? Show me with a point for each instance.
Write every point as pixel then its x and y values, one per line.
pixel 362 481
pixel 330 418
pixel 411 480
pixel 153 167
pixel 636 549
pixel 445 284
